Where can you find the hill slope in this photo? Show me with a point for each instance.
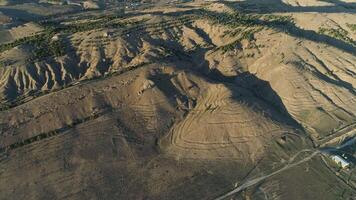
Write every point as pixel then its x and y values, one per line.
pixel 177 103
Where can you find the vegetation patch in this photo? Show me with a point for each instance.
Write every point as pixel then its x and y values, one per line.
pixel 44 45
pixel 352 27
pixel 245 35
pixel 49 134
pixel 244 26
pixel 247 20
pixel 337 33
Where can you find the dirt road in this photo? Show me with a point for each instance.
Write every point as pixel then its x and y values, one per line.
pixel 259 179
pixel 290 164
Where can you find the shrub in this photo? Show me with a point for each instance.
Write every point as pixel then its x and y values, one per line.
pixel 352 27
pixel 337 33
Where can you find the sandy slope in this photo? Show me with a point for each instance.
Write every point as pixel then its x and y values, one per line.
pixel 305 75
pixel 132 106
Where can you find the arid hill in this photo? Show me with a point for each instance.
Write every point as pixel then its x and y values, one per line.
pixel 186 101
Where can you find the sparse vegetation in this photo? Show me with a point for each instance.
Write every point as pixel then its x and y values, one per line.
pixel 245 25
pixel 247 20
pixel 135 101
pixel 337 33
pixel 105 22
pixel 49 134
pixel 247 34
pixel 352 27
pixel 42 44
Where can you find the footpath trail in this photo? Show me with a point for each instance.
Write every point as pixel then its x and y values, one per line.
pixel 290 164
pixel 259 179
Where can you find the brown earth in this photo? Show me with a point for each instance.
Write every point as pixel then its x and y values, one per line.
pixel 177 107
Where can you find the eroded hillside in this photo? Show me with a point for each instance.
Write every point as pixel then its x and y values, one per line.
pixel 113 106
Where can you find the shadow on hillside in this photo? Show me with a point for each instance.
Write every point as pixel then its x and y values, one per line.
pixel 289 28
pixel 263 6
pixel 21 15
pixel 338 82
pixel 246 88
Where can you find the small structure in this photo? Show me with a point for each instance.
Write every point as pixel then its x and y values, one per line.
pixel 90 5
pixel 108 34
pixel 55 37
pixel 340 161
pixel 70 2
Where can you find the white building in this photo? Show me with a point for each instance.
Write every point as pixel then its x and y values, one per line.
pixel 340 161
pixel 55 37
pixel 69 2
